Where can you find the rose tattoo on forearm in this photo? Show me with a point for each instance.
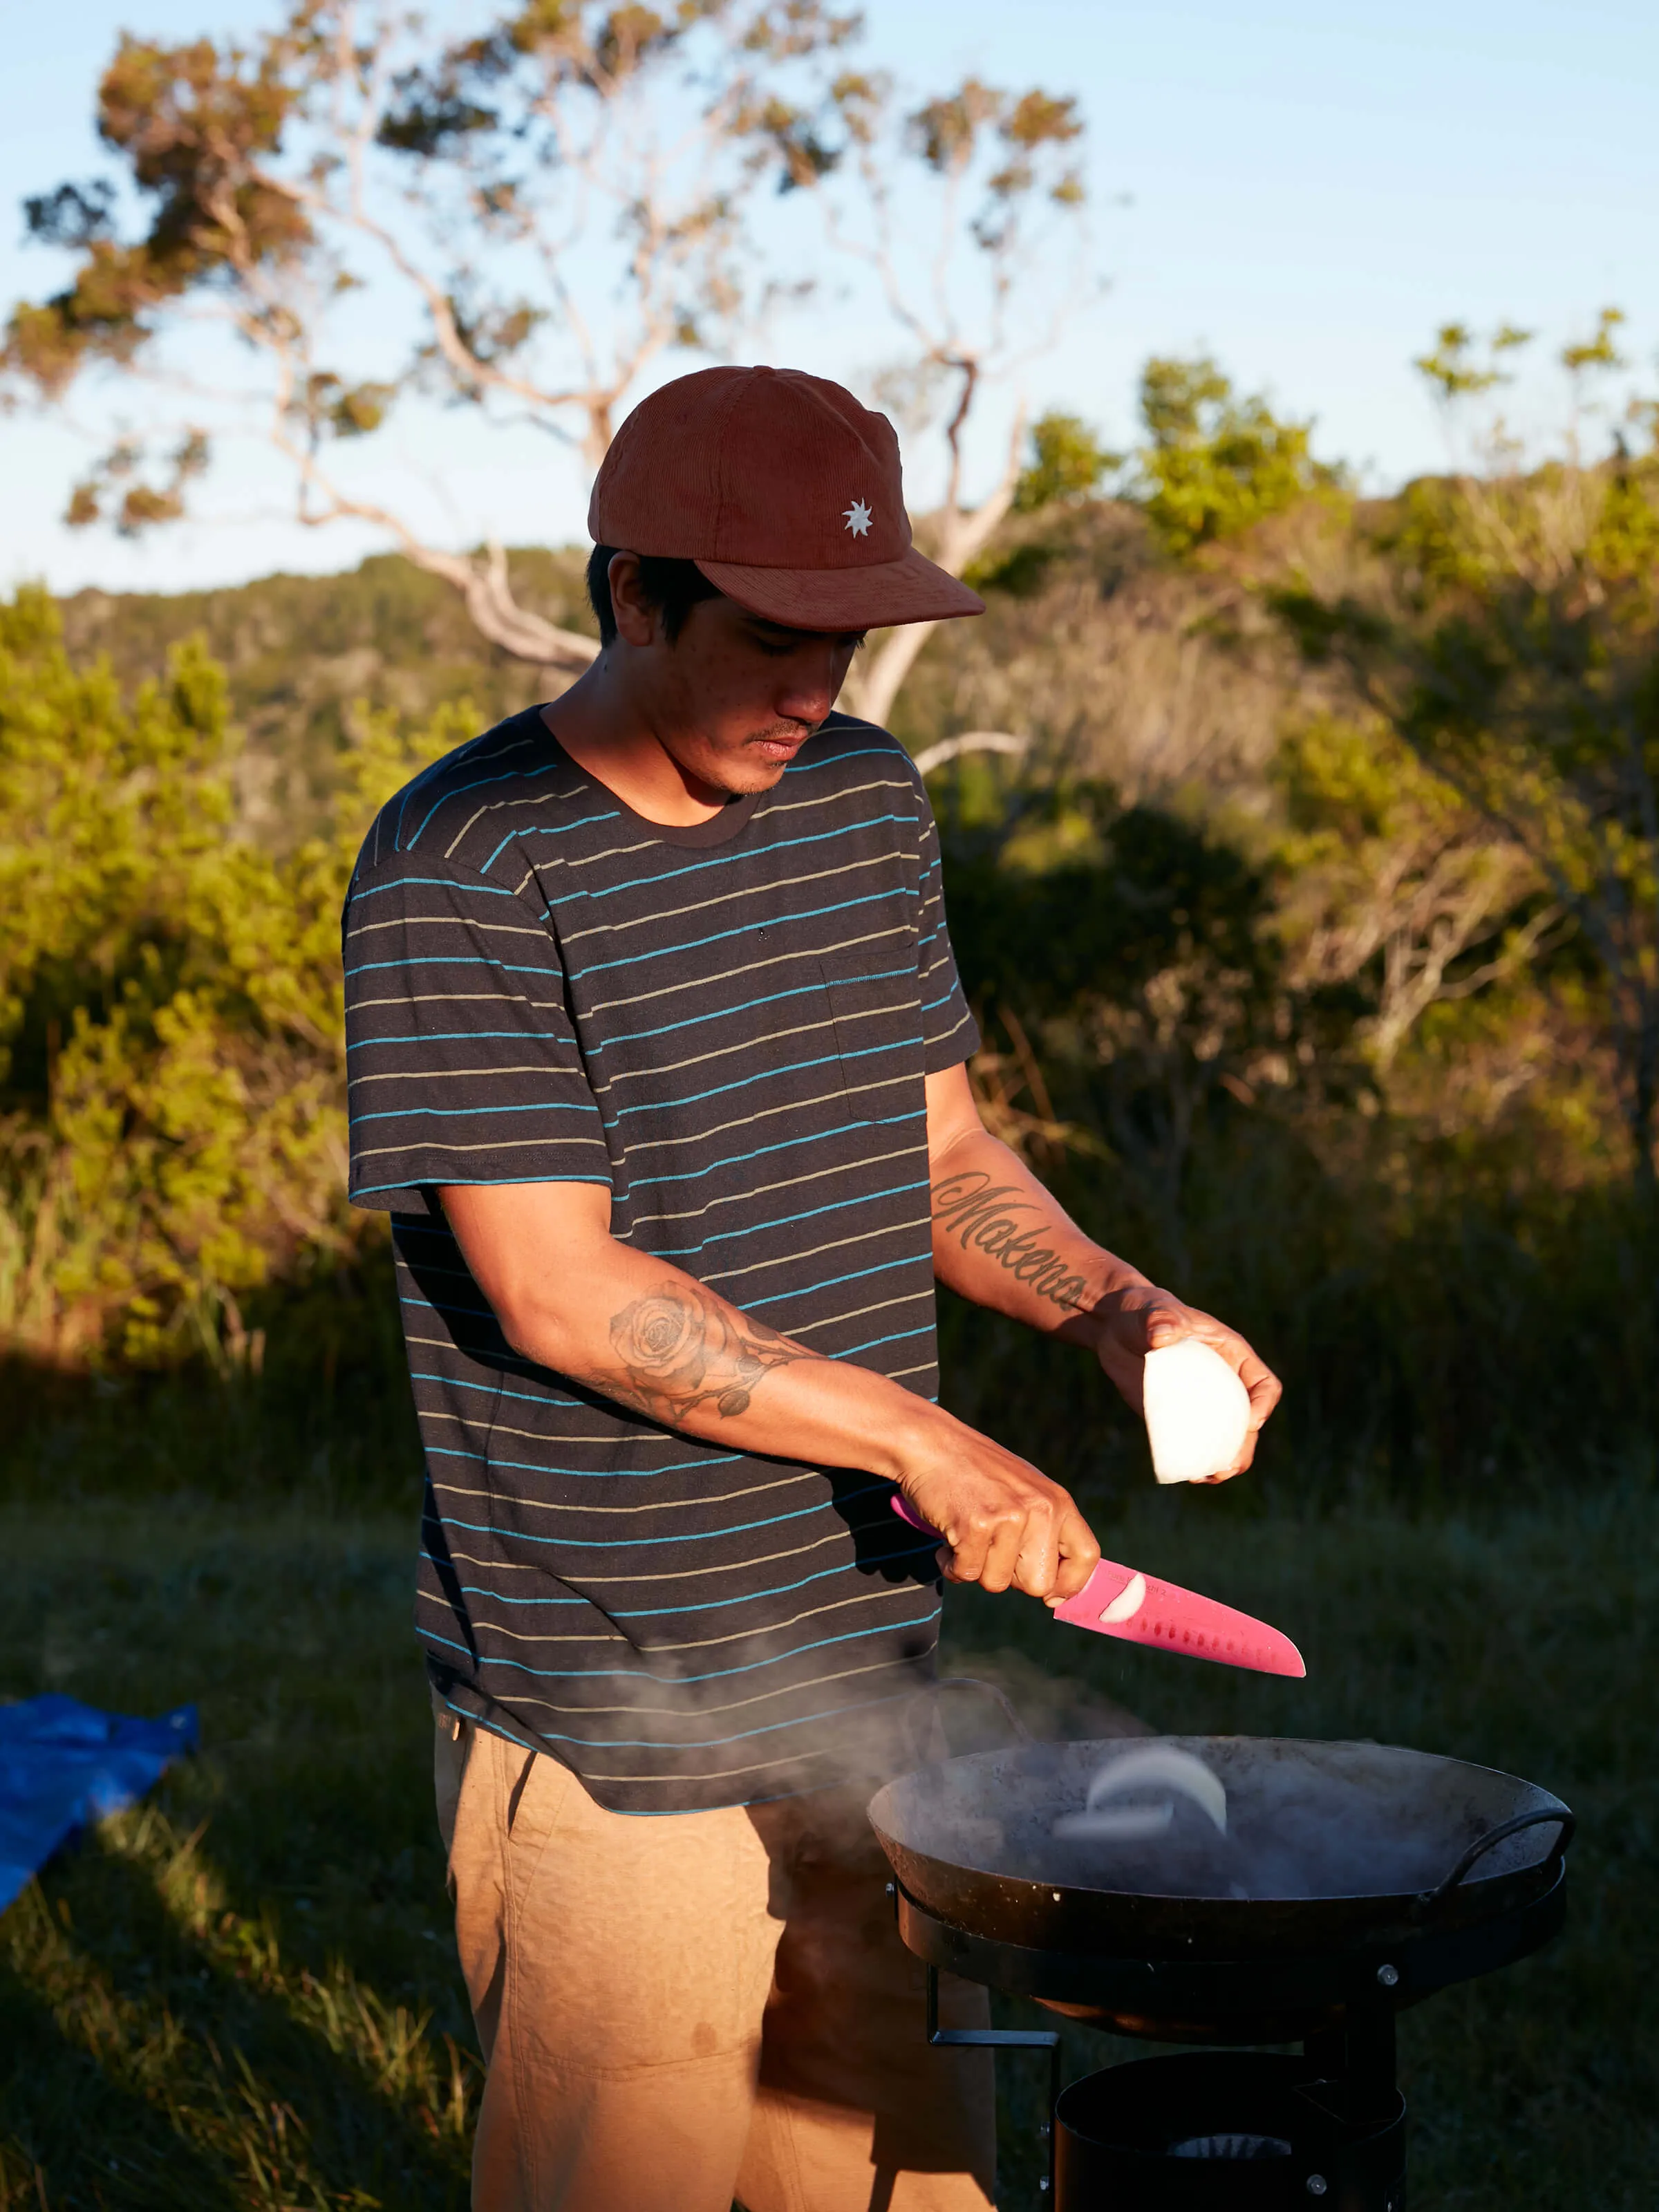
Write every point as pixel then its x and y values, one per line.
pixel 681 1347
pixel 985 1217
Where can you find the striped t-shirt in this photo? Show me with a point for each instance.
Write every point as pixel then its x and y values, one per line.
pixel 728 1026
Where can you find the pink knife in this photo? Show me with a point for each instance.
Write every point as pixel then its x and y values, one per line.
pixel 1119 1601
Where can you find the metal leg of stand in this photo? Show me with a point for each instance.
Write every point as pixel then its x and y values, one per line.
pixel 1372 2095
pixel 1355 2066
pixel 1001 2038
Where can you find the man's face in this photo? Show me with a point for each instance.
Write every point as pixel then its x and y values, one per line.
pixel 734 698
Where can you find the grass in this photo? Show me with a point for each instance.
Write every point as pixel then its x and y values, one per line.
pixel 243 1993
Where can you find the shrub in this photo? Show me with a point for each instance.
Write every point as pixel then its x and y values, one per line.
pixel 172 1127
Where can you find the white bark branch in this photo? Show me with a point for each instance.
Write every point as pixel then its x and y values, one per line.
pixel 970 741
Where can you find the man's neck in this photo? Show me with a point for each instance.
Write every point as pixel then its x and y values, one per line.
pixel 619 749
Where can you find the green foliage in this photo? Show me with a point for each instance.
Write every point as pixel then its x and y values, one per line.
pixel 1321 1035
pixel 212 135
pixel 1298 1142
pixel 1067 463
pixel 114 490
pixel 303 654
pixel 1021 572
pixel 1601 351
pixel 1356 995
pixel 1451 364
pixel 947 132
pixel 1134 950
pixel 169 1009
pixel 1456 369
pixel 193 123
pixel 1211 465
pixel 1215 463
pixel 1067 896
pixel 1393 882
pixel 1509 638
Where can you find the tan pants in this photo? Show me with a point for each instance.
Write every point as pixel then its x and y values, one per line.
pixel 680 2011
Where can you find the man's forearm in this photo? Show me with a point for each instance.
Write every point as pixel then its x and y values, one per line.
pixel 637 1330
pixel 634 1329
pixel 1001 1239
pixel 680 1353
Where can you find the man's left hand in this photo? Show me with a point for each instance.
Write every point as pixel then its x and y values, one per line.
pixel 1140 1318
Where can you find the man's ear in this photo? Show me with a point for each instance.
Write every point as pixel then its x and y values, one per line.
pixel 636 619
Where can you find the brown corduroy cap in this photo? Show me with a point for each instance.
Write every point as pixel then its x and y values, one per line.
pixel 786 493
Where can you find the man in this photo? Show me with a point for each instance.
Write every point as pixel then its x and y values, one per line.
pixel 657 1050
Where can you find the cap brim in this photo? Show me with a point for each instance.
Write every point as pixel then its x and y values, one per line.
pixel 911 590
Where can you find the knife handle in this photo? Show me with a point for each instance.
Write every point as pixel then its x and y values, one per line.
pixel 906 1511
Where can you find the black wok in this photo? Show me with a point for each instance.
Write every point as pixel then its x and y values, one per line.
pixel 1330 1846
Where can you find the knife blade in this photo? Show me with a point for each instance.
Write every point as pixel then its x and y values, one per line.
pixel 1120 1602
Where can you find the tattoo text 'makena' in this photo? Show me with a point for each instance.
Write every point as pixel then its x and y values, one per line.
pixel 984 1216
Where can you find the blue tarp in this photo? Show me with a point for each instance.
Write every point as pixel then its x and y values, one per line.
pixel 64 1764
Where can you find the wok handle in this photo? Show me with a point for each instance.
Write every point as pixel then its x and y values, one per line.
pixel 1482 1845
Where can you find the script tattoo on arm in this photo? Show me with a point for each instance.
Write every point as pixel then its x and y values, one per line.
pixel 986 1217
pixel 683 1347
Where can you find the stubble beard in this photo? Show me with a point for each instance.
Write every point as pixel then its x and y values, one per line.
pixel 746 767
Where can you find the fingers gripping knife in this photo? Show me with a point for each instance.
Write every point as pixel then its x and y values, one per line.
pixel 1120 1602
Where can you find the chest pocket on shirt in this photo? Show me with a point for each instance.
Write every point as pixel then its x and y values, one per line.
pixel 878 1025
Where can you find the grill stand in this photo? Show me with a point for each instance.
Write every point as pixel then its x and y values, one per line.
pixel 1229 2129
pixel 999 2038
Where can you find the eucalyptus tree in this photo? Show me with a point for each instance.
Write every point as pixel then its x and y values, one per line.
pixel 523 223
pixel 517 224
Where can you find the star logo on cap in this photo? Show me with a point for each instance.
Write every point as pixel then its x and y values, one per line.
pixel 857 518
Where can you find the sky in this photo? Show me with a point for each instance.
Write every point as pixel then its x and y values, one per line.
pixel 1305 190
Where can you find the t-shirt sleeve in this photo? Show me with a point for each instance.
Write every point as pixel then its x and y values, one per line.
pixel 462 1064
pixel 950 1033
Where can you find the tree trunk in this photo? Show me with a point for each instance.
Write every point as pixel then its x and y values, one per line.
pixel 871 690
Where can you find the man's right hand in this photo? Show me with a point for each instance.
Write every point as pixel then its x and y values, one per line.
pixel 1005 1525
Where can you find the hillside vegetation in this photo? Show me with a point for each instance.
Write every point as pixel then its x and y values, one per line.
pixel 1315 940
pixel 303 657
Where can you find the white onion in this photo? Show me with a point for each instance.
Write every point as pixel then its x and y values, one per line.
pixel 1122 1823
pixel 1160 1767
pixel 1146 1766
pixel 1198 1411
pixel 1128 1602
